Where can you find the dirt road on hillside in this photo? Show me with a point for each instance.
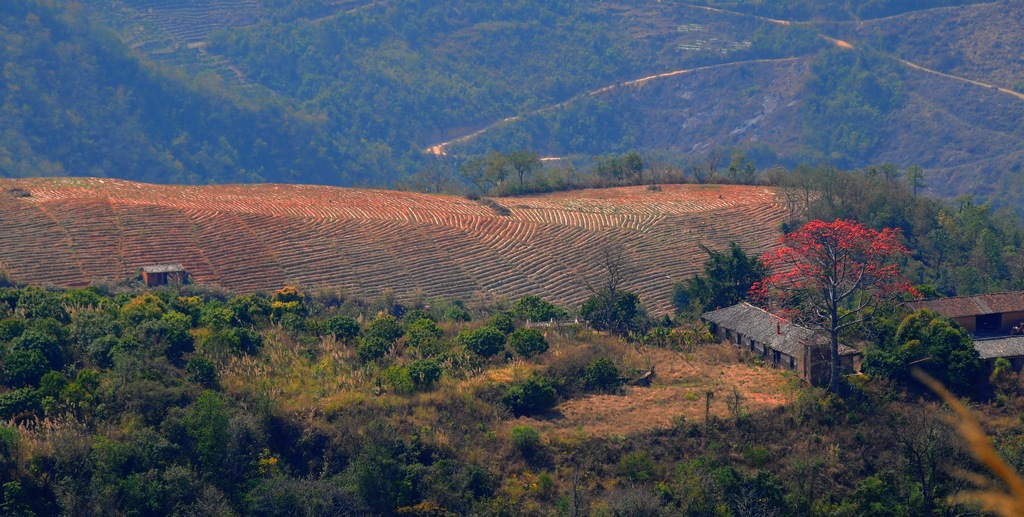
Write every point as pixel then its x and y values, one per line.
pixel 439 149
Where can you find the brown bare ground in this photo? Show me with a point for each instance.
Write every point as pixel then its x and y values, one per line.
pixel 74 231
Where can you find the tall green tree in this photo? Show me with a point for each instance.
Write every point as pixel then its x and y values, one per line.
pixel 524 163
pixel 931 342
pixel 726 281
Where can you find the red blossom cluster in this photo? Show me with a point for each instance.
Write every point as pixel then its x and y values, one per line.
pixel 817 267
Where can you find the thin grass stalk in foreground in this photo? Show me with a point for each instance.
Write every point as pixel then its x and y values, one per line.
pixel 990 497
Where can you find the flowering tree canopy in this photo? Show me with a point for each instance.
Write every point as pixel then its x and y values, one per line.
pixel 825 276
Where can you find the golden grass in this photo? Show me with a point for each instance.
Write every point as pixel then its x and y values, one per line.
pixel 677 391
pixel 295 380
pixel 1007 501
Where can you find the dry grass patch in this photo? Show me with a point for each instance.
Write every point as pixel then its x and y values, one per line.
pixel 678 390
pixel 295 378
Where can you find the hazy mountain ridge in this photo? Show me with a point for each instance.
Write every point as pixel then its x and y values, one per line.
pixel 352 93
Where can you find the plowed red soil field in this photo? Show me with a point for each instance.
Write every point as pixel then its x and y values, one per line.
pixel 72 231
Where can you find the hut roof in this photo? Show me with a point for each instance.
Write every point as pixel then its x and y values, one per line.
pixel 1010 346
pixel 163 268
pixel 765 327
pixel 960 306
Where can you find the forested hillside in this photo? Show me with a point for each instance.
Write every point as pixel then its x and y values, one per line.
pixel 349 92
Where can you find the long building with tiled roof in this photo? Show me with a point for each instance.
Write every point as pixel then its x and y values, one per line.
pixel 781 342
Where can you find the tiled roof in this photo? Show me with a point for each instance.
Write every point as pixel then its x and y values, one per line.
pixel 764 327
pixel 960 306
pixel 1010 346
pixel 163 268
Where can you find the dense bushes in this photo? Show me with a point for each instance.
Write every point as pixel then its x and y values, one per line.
pixel 532 396
pixel 302 422
pixel 528 342
pixel 935 344
pixel 484 341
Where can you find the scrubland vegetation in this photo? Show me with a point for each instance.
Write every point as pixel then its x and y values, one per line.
pixel 189 401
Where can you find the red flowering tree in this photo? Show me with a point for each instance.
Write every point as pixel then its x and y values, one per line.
pixel 828 277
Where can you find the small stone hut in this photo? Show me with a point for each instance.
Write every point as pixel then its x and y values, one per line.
pixel 164 274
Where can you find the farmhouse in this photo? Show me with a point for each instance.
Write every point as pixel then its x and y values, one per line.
pixel 995 320
pixel 782 343
pixel 982 315
pixel 164 274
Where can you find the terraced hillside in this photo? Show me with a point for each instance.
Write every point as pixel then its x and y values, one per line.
pixel 70 232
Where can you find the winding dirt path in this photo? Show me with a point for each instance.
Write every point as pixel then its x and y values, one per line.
pixel 439 149
pixel 958 78
pixel 737 13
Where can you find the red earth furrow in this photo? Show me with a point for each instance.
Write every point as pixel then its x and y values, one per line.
pixel 363 244
pixel 27 226
pixel 488 268
pixel 430 270
pixel 546 265
pixel 301 251
pixel 311 253
pixel 258 237
pixel 160 235
pixel 93 230
pixel 241 260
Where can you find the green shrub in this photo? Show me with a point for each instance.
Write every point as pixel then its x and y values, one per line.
pixel 100 348
pixel 756 456
pixel 528 342
pixel 399 379
pixel 425 335
pixel 216 317
pixel 484 341
pixel 24 368
pixel 372 348
pixel 526 440
pixel 637 467
pixel 425 373
pixel 52 384
pixel 19 402
pixel 201 371
pixel 503 321
pixel 35 302
pixel 415 315
pixel 602 375
pixel 144 307
pixel 206 423
pixel 384 327
pixel 249 341
pixel 11 328
pixel 251 309
pixel 46 342
pixel 221 344
pixel 456 313
pixel 535 308
pixel 342 328
pixel 529 397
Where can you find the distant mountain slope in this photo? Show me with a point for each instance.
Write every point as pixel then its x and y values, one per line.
pixel 353 92
pixel 76 101
pixel 70 232
pixel 983 41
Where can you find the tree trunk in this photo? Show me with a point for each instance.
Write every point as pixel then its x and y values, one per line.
pixel 833 381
